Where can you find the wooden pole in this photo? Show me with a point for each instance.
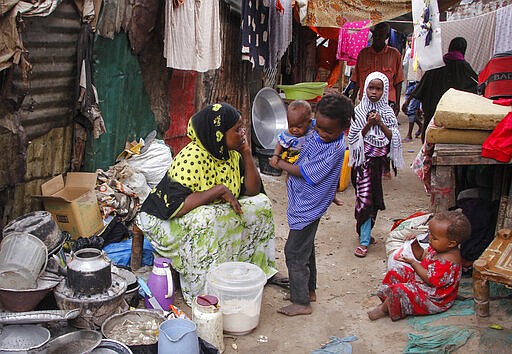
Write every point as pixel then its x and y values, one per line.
pixel 480 289
pixel 137 245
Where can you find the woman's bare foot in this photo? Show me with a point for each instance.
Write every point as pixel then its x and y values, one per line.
pixel 377 312
pixel 295 309
pixel 312 296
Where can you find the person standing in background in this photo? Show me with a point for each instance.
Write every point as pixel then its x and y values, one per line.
pixel 383 58
pixel 457 73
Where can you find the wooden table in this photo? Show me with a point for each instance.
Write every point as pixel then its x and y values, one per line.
pixel 444 160
pixel 495 264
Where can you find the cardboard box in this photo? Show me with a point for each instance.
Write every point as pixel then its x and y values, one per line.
pixel 73 205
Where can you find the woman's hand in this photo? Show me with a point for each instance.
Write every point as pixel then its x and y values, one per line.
pixel 244 148
pixel 227 196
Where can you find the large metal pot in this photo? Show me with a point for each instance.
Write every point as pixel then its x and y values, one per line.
pixel 89 271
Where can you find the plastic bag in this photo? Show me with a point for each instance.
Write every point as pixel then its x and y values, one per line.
pixel 153 163
pixel 121 252
pixel 138 183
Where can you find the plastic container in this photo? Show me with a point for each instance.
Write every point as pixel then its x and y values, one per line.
pixel 161 284
pixel 345 173
pixel 239 288
pixel 303 90
pixel 178 336
pixel 22 259
pixel 207 316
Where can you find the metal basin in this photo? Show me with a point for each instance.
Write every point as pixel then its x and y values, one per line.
pixel 26 300
pixel 136 324
pixel 110 346
pixel 79 342
pixel 268 117
pixel 23 338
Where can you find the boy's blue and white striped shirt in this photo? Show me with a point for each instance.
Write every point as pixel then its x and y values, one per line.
pixel 309 196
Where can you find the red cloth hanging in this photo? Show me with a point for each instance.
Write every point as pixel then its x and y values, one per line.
pixel 498 145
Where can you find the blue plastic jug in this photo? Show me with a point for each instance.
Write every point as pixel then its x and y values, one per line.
pixel 178 336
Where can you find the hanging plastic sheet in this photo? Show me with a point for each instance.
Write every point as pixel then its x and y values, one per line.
pixel 427 35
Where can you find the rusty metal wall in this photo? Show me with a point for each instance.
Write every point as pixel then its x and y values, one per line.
pixel 51 42
pixel 46 111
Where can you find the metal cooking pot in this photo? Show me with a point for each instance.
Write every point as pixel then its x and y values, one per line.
pixel 89 271
pixel 268 117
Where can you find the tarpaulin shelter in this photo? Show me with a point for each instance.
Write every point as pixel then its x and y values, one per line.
pixel 334 13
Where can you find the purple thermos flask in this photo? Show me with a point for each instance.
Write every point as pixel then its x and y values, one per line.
pixel 160 283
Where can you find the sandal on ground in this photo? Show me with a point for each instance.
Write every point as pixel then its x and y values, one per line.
pixel 373 240
pixel 406 140
pixel 360 252
pixel 417 135
pixel 279 280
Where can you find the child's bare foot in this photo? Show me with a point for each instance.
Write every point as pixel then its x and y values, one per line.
pixel 295 309
pixel 338 201
pixel 312 296
pixel 377 312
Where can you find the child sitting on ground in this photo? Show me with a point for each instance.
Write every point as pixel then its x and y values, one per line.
pixel 312 184
pixel 430 285
pixel 300 128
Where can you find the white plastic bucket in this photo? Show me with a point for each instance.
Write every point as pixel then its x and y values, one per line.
pixel 239 288
pixel 22 259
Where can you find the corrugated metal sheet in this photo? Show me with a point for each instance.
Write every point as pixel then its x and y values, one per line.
pixel 46 112
pixel 51 42
pixel 123 100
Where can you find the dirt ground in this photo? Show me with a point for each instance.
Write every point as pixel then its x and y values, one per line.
pixel 346 284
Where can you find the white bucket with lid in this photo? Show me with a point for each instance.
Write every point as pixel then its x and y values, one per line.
pixel 239 288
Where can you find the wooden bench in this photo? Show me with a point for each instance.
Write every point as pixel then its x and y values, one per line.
pixel 495 264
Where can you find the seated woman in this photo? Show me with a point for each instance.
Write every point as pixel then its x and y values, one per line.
pixel 194 217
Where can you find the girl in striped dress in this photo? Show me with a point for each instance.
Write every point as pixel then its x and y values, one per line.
pixel 372 136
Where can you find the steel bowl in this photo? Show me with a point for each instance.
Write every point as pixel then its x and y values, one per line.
pixel 120 321
pixel 110 346
pixel 78 342
pixel 23 338
pixel 268 117
pixel 26 300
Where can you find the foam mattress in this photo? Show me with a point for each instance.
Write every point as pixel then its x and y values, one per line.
pixel 439 135
pixel 464 110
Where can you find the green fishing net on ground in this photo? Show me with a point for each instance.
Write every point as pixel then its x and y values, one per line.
pixel 447 338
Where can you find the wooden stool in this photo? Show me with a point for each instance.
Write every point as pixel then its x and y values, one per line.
pixel 495 264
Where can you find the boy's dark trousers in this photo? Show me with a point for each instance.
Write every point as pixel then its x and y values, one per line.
pixel 300 260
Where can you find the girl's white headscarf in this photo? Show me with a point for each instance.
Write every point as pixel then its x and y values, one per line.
pixel 375 135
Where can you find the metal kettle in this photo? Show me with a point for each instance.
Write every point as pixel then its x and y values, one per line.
pixel 89 271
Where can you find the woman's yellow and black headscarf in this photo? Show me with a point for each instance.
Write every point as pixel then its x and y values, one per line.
pixel 204 163
pixel 210 125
